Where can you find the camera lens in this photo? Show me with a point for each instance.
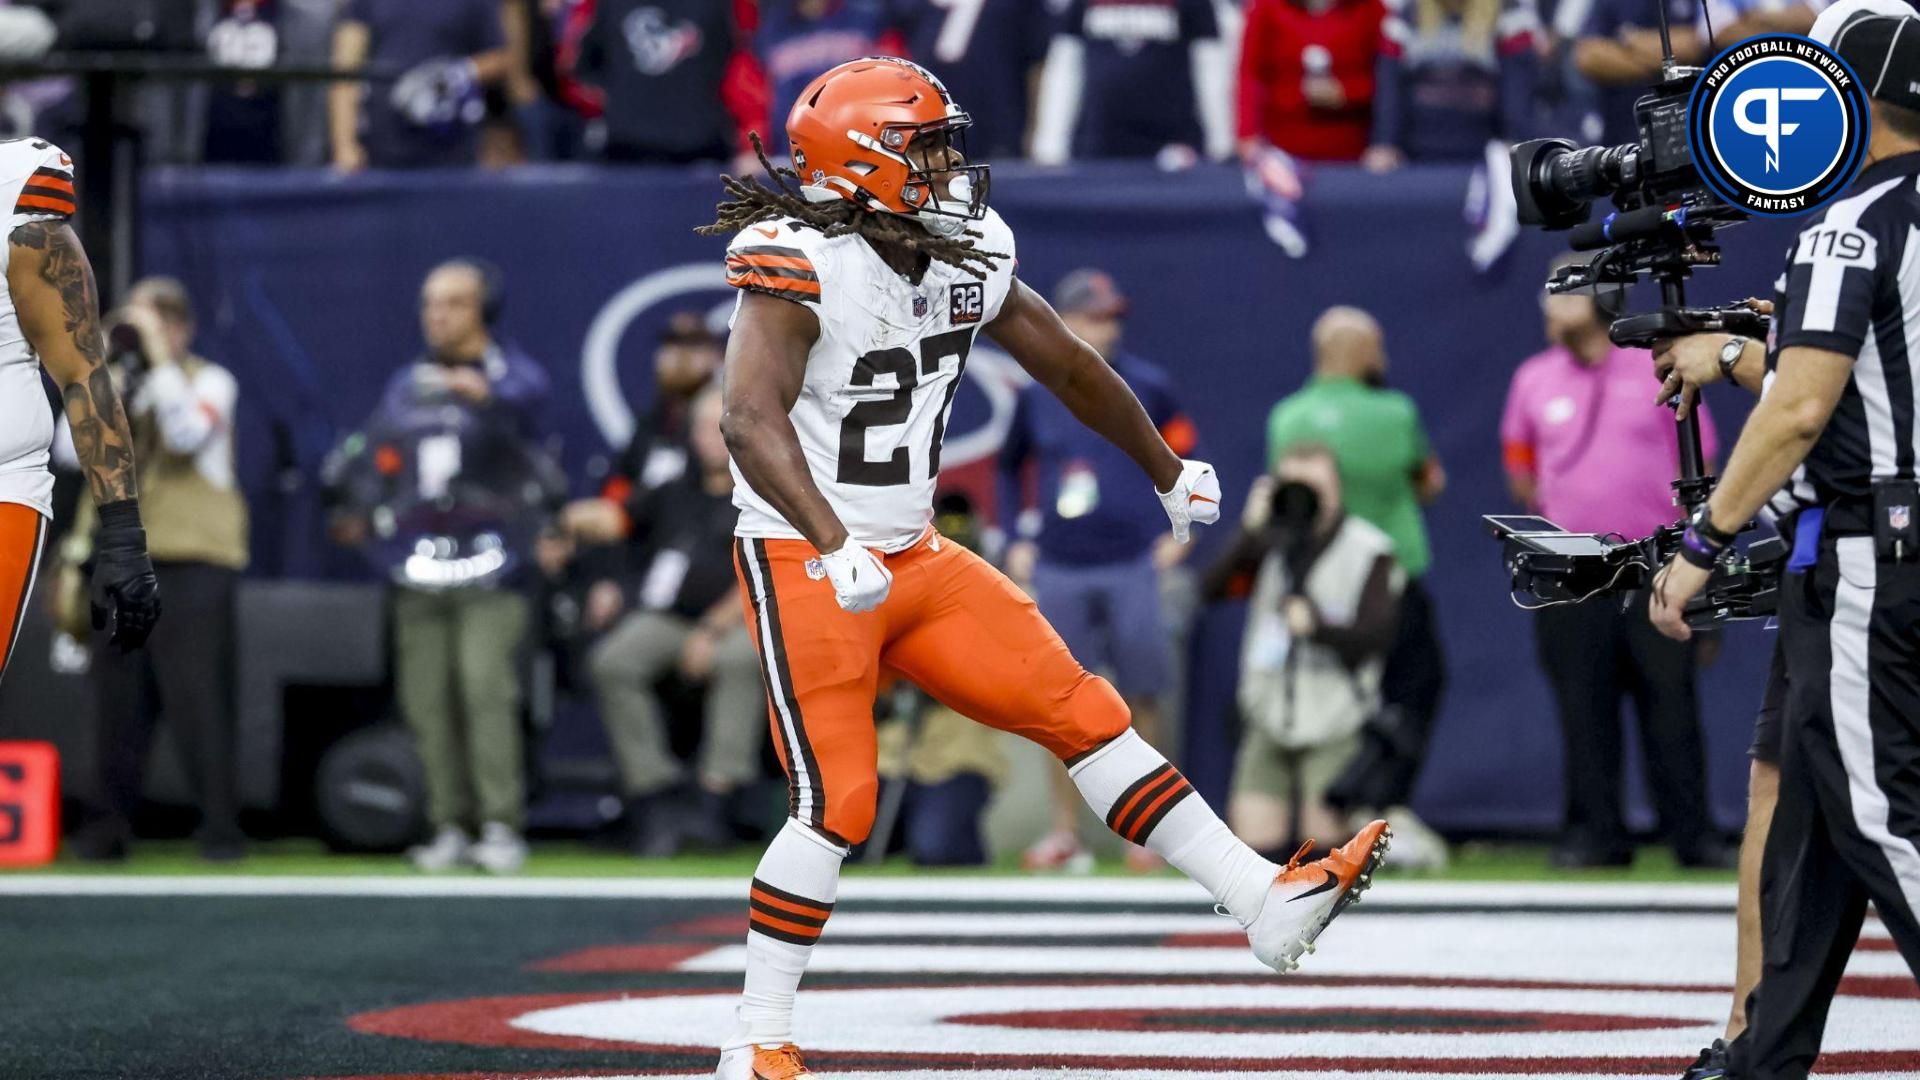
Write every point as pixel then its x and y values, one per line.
pixel 1585 175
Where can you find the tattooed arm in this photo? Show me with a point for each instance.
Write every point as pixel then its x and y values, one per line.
pixel 52 287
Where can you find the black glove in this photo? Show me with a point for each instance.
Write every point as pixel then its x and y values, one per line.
pixel 125 596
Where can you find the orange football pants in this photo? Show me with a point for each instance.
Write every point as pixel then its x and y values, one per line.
pixel 22 533
pixel 952 624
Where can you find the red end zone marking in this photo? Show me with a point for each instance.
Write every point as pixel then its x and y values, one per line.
pixel 488 1022
pixel 733 927
pixel 1355 1019
pixel 654 956
pixel 623 958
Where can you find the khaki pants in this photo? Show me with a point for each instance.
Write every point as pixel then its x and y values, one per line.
pixel 457 672
pixel 637 653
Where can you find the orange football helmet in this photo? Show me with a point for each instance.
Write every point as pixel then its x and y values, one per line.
pixel 852 131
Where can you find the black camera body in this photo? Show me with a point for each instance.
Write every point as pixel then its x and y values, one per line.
pixel 1554 566
pixel 1662 228
pixel 1556 182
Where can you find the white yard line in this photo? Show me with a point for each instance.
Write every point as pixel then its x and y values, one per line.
pixel 1166 891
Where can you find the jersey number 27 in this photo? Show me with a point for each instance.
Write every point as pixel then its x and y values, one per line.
pixel 897 468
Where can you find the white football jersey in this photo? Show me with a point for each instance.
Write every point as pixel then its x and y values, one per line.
pixel 881 377
pixel 36 180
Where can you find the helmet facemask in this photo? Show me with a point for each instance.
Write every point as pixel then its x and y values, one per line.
pixel 945 198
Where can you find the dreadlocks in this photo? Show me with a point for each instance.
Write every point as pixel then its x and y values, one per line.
pixel 753 201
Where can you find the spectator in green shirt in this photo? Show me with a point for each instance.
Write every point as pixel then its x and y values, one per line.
pixel 1388 471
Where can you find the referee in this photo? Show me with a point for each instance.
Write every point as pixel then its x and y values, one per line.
pixel 1835 428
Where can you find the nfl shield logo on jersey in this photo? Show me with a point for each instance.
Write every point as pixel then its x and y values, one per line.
pixel 816 569
pixel 919 305
pixel 1899 517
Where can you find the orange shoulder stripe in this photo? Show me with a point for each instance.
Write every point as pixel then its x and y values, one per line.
pixel 44 202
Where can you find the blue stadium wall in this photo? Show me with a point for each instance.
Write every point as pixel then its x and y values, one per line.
pixel 307 287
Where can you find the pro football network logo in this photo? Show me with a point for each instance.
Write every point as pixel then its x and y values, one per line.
pixel 1778 124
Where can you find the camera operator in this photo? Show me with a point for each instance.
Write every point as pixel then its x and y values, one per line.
pixel 471 413
pixel 180 407
pixel 1835 426
pixel 1581 446
pixel 1324 599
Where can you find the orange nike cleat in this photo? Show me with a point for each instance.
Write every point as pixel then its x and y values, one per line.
pixel 762 1063
pixel 1306 897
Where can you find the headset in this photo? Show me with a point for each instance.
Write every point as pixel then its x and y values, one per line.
pixel 493 286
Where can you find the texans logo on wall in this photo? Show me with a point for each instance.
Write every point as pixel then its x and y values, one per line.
pixel 616 371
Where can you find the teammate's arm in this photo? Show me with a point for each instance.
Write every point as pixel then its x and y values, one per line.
pixel 765 367
pixel 1032 333
pixel 52 287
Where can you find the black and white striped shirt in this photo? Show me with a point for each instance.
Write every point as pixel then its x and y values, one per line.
pixel 1852 286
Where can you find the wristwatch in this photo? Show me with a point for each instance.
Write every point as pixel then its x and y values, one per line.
pixel 1730 355
pixel 1701 521
pixel 1703 544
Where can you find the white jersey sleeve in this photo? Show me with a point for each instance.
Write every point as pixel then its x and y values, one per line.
pixel 36 180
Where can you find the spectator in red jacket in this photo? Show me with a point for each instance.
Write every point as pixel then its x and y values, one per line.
pixel 1306 77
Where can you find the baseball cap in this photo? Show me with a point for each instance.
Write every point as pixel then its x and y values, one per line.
pixel 1884 51
pixel 1089 292
pixel 689 328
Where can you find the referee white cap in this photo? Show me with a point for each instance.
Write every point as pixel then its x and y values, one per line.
pixel 1828 25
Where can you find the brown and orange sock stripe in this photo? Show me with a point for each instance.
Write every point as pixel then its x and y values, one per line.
pixel 1146 802
pixel 785 916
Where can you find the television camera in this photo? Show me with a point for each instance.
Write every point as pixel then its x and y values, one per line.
pixel 1661 228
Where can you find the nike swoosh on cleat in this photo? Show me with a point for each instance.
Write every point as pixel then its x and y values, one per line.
pixel 1331 882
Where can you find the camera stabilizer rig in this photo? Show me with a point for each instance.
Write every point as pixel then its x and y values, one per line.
pixel 1662 228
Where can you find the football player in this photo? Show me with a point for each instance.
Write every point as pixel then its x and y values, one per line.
pixel 865 274
pixel 50 314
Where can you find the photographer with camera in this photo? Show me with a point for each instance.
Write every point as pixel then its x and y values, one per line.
pixel 1835 428
pixel 1324 597
pixel 180 408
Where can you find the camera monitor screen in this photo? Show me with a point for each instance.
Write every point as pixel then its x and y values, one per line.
pixel 1508 524
pixel 1566 543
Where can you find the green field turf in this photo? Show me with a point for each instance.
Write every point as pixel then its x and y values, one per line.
pixel 1472 862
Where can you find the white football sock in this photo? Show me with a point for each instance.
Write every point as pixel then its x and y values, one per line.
pixel 1144 799
pixel 793 891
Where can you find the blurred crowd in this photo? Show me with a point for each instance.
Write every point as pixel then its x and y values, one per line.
pixel 497 82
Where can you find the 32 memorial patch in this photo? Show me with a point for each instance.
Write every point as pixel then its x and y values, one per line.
pixel 967 302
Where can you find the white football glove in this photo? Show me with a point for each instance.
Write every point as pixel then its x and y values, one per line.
pixel 1195 498
pixel 860 580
